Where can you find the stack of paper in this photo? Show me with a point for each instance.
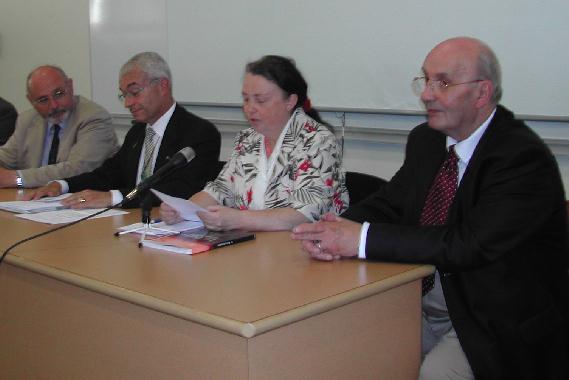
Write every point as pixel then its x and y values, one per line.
pixel 51 211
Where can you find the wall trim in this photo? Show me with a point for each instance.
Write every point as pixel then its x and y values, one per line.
pixel 230 127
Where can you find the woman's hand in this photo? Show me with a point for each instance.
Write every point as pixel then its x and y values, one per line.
pixel 221 218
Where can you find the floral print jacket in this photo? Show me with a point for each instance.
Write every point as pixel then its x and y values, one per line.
pixel 307 175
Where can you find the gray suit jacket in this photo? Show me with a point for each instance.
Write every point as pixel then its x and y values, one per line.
pixel 87 140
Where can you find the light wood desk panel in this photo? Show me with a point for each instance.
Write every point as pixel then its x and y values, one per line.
pixel 83 302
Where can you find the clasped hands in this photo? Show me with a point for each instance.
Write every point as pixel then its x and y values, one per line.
pixel 331 238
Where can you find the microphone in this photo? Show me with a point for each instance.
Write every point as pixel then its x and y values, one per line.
pixel 180 159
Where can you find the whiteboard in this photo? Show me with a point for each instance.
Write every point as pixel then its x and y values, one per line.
pixel 358 54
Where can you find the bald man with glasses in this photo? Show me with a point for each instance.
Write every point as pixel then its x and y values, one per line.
pixel 480 197
pixel 63 135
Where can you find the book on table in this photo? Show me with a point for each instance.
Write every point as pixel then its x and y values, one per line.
pixel 197 240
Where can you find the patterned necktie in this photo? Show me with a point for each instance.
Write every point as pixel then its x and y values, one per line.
pixel 149 146
pixel 52 157
pixel 439 199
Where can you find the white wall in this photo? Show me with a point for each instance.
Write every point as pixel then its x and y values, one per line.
pixel 33 32
pixel 36 32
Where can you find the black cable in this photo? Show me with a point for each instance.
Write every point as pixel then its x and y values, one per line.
pixel 53 230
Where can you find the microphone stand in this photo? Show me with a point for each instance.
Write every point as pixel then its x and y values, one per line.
pixel 146 228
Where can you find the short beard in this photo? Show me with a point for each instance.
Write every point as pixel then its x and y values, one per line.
pixel 57 115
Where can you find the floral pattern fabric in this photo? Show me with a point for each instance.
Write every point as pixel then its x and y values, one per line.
pixel 308 175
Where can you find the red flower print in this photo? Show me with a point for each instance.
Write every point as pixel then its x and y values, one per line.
pixel 249 196
pixel 232 179
pixel 305 165
pixel 338 201
pixel 243 207
pixel 309 127
pixel 329 182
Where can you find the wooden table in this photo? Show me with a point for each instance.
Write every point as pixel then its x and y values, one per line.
pixel 83 304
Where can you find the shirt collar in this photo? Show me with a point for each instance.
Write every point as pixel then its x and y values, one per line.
pixel 160 125
pixel 61 125
pixel 465 148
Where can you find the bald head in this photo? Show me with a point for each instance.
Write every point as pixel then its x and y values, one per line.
pixel 471 53
pixel 50 92
pixel 44 72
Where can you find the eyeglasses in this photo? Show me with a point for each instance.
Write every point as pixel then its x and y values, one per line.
pixel 135 90
pixel 419 85
pixel 57 94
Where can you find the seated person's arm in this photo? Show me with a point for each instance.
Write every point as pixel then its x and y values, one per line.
pixel 225 218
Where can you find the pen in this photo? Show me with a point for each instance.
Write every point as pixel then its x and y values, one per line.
pixel 119 233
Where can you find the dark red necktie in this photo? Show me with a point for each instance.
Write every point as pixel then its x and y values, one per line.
pixel 439 199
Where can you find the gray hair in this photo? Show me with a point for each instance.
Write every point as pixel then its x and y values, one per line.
pixel 53 67
pixel 489 68
pixel 149 62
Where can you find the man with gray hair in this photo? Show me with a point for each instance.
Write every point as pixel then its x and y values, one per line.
pixel 480 197
pixel 62 136
pixel 161 129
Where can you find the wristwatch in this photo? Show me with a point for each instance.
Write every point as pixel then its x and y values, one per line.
pixel 19 182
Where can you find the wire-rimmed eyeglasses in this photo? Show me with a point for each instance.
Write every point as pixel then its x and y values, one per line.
pixel 57 94
pixel 419 84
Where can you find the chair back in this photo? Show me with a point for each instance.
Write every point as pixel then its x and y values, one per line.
pixel 215 170
pixel 362 185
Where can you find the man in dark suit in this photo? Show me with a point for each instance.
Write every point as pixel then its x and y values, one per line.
pixel 8 116
pixel 499 306
pixel 162 129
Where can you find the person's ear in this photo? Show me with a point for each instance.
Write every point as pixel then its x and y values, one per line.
pixel 485 93
pixel 291 102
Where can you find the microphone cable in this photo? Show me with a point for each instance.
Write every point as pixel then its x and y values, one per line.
pixel 186 154
pixel 53 230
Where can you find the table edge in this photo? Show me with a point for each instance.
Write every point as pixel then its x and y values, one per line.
pixel 243 329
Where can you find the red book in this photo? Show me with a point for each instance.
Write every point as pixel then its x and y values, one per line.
pixel 197 240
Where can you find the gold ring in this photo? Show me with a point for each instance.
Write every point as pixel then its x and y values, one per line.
pixel 81 200
pixel 318 245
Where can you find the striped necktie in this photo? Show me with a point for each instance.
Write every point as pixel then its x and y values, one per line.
pixel 439 199
pixel 149 146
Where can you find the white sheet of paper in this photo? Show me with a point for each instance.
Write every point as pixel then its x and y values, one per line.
pixel 67 215
pixel 53 199
pixel 185 208
pixel 174 228
pixel 39 205
pixel 29 207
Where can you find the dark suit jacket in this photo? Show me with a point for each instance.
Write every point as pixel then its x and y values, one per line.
pixel 184 129
pixel 503 257
pixel 8 116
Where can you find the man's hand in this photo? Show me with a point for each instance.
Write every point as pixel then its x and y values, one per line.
pixel 89 199
pixel 329 239
pixel 52 189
